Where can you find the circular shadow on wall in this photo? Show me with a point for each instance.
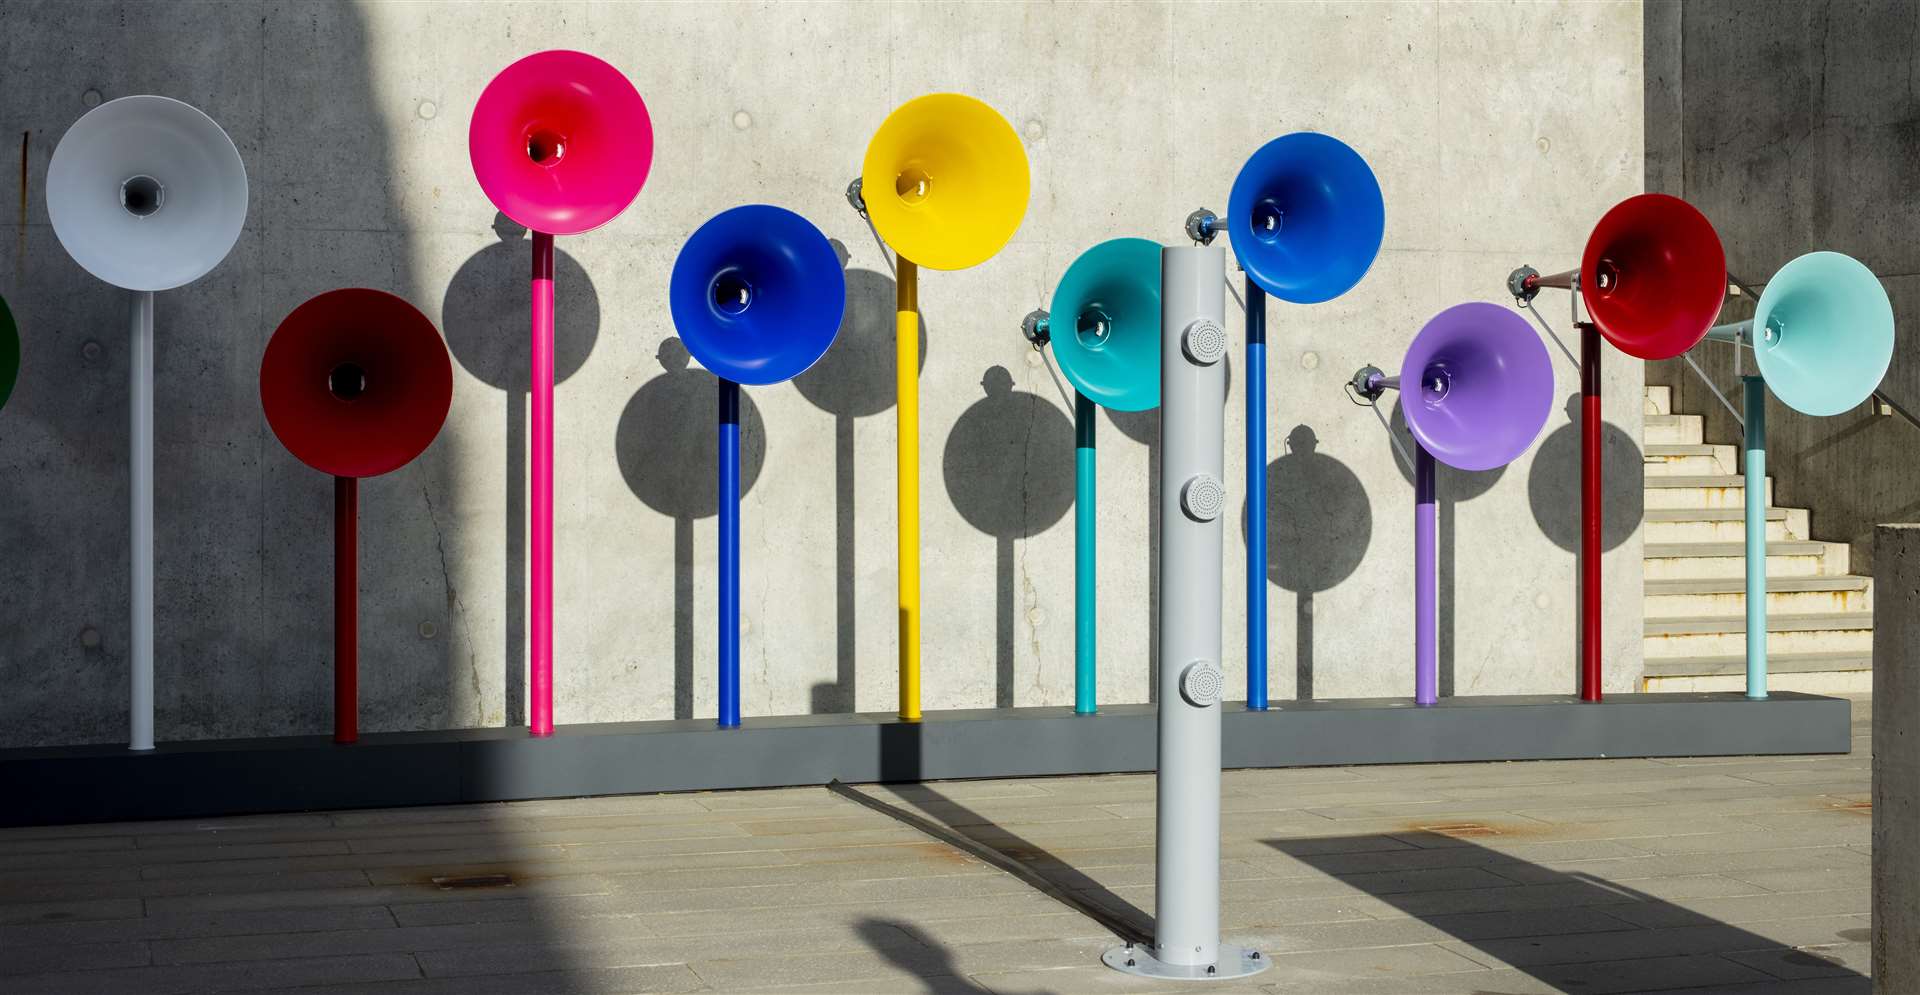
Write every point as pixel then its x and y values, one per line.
pixel 1009 470
pixel 668 439
pixel 488 310
pixel 1553 489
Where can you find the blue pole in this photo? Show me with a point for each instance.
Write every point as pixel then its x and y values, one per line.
pixel 1756 494
pixel 1086 699
pixel 1256 497
pixel 729 554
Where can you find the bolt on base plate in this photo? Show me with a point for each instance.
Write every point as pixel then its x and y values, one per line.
pixel 1235 962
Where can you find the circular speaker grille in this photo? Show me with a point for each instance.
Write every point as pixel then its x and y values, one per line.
pixel 1204 342
pixel 1200 683
pixel 1202 497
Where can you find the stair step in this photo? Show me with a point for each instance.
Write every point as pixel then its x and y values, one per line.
pixel 1777 663
pixel 1716 490
pixel 1704 560
pixel 1701 625
pixel 1712 514
pixel 1727 596
pixel 1667 525
pixel 1669 429
pixel 1685 460
pixel 1721 635
pixel 1817 682
pixel 1659 400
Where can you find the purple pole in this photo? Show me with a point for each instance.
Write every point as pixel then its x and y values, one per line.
pixel 1426 583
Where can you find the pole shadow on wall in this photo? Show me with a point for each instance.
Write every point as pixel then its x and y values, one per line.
pixel 485 315
pixel 665 444
pixel 1319 523
pixel 1009 471
pixel 852 381
pixel 1144 427
pixel 1553 491
pixel 1451 486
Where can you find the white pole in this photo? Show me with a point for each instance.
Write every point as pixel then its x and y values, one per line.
pixel 1193 347
pixel 140 531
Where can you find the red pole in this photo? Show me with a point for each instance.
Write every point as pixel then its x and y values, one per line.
pixel 1590 453
pixel 540 506
pixel 346 609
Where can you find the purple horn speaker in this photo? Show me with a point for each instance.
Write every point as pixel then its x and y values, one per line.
pixel 1476 388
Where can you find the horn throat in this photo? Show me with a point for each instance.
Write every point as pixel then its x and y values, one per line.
pixel 347 381
pixel 142 195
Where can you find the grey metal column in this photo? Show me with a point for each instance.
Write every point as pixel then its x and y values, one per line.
pixel 1193 345
pixel 140 523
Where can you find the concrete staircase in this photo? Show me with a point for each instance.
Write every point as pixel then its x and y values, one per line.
pixel 1819 616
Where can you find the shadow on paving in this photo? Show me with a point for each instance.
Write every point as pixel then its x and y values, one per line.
pixel 1634 941
pixel 935 966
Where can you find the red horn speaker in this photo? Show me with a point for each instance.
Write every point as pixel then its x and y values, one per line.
pixel 1653 278
pixel 355 383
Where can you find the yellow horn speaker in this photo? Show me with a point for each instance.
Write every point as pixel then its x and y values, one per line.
pixel 945 183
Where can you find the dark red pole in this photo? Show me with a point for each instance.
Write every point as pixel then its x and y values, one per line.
pixel 1590 512
pixel 346 609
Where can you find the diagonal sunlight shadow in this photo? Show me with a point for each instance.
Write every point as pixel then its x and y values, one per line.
pixel 957 825
pixel 1574 932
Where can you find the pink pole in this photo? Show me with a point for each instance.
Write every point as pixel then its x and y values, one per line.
pixel 540 516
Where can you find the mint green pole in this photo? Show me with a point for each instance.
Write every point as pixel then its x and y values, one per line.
pixel 1756 494
pixel 1086 700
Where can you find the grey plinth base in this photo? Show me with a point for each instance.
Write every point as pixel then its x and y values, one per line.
pixel 1233 962
pixel 225 777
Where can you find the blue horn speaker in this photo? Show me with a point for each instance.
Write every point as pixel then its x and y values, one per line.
pixel 757 295
pixel 1822 335
pixel 1105 330
pixel 1305 218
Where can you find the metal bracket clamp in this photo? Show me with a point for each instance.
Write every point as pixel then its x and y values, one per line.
pixel 1202 225
pixel 854 197
pixel 1520 283
pixel 1203 497
pixel 1368 382
pixel 1034 327
pixel 1204 342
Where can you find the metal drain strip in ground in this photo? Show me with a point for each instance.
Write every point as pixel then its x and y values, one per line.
pixel 1115 924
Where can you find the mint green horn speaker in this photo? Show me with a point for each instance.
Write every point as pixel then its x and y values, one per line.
pixel 1105 324
pixel 1823 333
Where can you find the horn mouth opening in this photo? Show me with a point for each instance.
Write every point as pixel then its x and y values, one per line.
pixel 142 195
pixel 1093 327
pixel 1435 382
pixel 912 185
pixel 546 147
pixel 731 293
pixel 347 381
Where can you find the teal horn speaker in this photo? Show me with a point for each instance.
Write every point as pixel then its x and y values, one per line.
pixel 1105 332
pixel 1822 335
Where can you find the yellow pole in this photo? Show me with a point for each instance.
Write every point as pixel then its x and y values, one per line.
pixel 906 353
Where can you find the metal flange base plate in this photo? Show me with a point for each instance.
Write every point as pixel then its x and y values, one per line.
pixel 1235 962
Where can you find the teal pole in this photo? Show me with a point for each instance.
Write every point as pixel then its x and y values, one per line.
pixel 1085 697
pixel 1756 493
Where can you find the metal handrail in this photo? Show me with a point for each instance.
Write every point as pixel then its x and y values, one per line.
pixel 1896 407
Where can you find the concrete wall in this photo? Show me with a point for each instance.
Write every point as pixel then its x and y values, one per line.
pixel 1896 760
pixel 1796 127
pixel 1499 134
